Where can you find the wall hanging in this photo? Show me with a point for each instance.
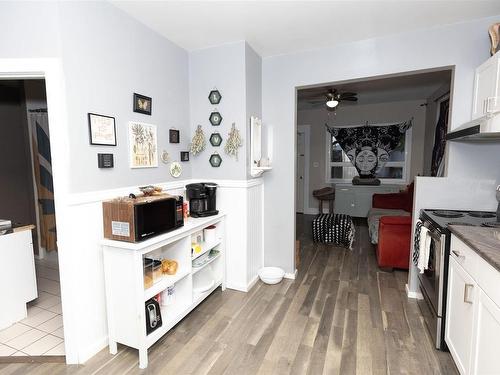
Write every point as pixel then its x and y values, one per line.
pixel 175 169
pixel 165 157
pixel 215 160
pixel 215 139
pixel 142 104
pixel 234 142
pixel 102 130
pixel 214 97
pixel 494 32
pixel 105 160
pixel 174 136
pixel 198 143
pixel 142 145
pixel 215 118
pixel 368 147
pixel 184 155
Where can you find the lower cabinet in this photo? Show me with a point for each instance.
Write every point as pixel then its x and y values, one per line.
pixel 485 347
pixel 472 329
pixel 460 315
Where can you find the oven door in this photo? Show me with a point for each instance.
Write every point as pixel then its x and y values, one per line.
pixel 432 279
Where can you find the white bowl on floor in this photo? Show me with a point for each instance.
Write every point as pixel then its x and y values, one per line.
pixel 271 275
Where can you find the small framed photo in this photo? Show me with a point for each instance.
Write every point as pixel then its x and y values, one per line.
pixel 173 136
pixel 102 130
pixel 142 104
pixel 184 155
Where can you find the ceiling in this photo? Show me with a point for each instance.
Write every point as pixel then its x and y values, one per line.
pixel 419 86
pixel 280 27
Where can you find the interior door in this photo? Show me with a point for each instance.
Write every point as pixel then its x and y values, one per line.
pixel 299 196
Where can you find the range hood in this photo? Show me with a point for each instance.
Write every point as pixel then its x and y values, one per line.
pixel 482 129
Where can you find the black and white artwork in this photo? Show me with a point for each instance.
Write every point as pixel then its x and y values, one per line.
pixel 368 147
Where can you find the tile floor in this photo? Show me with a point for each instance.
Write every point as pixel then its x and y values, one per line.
pixel 41 333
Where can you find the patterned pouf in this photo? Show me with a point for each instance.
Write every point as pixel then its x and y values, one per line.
pixel 336 229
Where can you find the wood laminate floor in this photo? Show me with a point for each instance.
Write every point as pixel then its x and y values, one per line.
pixel 342 315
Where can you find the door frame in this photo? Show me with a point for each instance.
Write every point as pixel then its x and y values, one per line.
pixel 306 130
pixel 50 69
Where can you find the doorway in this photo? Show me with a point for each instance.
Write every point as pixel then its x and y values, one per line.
pixel 27 199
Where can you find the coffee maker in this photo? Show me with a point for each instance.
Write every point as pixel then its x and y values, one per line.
pixel 201 198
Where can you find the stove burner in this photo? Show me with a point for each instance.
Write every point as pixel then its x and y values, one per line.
pixel 491 224
pixel 481 214
pixel 445 213
pixel 461 223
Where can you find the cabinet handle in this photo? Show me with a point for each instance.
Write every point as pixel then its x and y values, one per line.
pixel 457 254
pixel 467 288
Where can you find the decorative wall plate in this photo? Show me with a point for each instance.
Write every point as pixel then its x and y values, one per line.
pixel 165 157
pixel 215 160
pixel 215 139
pixel 214 97
pixel 175 169
pixel 215 118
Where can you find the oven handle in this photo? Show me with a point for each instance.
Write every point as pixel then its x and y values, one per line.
pixel 434 236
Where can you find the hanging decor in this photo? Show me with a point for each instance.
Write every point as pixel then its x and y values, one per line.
pixel 175 169
pixel 215 118
pixel 215 160
pixel 198 143
pixel 368 147
pixel 215 139
pixel 142 145
pixel 233 142
pixel 214 96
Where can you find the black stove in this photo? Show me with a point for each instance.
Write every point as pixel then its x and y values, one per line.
pixel 442 218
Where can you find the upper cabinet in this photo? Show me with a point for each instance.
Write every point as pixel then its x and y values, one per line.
pixel 487 88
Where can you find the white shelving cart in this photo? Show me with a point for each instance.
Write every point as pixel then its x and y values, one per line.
pixel 127 292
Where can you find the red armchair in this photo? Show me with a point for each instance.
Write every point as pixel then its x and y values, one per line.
pixel 394 232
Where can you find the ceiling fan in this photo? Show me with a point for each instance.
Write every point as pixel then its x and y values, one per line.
pixel 333 97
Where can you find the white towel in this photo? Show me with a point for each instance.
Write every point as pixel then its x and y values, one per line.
pixel 425 249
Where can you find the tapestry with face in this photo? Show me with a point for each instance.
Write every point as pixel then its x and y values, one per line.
pixel 368 147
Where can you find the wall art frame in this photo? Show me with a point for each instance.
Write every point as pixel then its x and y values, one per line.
pixel 142 104
pixel 102 130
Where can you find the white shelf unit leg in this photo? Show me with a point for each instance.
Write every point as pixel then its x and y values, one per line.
pixel 126 294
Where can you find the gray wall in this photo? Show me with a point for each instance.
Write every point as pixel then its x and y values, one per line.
pixel 253 80
pixel 222 67
pixel 16 179
pixel 107 56
pixel 358 115
pixel 464 45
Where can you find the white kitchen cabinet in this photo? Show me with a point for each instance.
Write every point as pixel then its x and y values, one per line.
pixel 460 315
pixel 486 87
pixel 473 311
pixel 485 351
pixel 356 200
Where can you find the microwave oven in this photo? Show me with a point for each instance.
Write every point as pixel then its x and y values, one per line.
pixel 137 219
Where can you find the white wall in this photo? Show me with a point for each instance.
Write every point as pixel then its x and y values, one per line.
pixel 222 67
pixel 463 45
pixel 358 115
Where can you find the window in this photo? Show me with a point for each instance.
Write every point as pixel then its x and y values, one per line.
pixel 339 168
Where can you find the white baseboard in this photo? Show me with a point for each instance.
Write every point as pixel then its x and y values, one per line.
pixel 291 276
pixel 414 295
pixel 91 351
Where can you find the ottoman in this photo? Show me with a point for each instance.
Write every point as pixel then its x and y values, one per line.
pixel 335 229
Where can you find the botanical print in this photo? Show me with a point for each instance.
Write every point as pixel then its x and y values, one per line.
pixel 143 145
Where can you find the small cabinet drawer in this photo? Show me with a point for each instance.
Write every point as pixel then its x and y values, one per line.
pixel 463 255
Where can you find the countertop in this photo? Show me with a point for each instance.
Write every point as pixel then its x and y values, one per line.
pixel 484 241
pixel 16 227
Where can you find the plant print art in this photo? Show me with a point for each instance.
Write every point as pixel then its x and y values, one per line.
pixel 143 145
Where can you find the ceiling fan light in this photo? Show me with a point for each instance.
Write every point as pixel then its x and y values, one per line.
pixel 332 103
